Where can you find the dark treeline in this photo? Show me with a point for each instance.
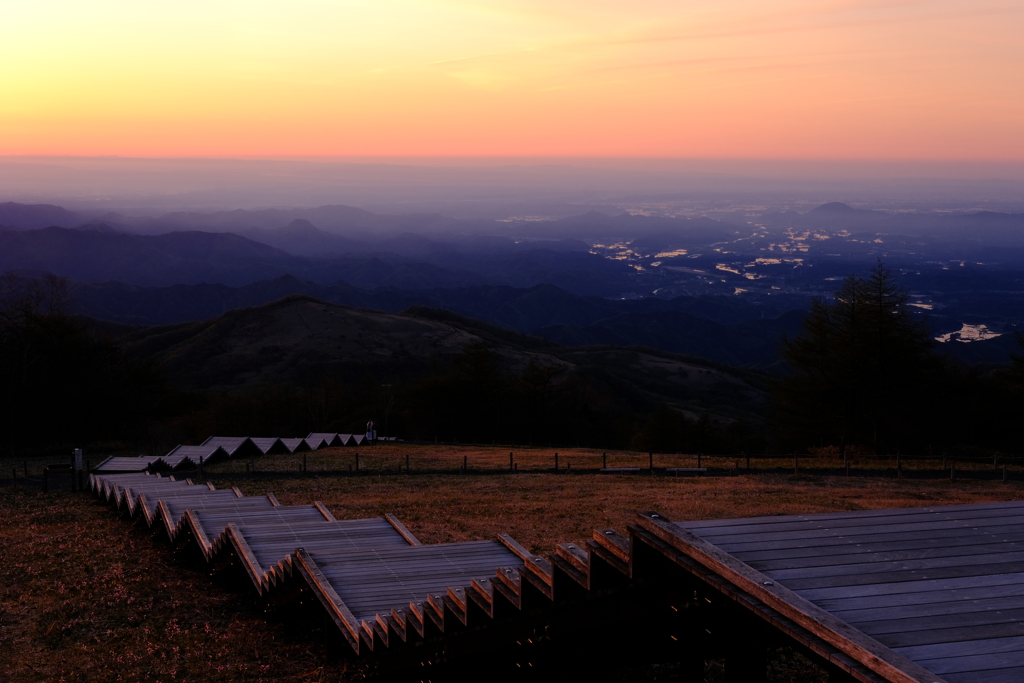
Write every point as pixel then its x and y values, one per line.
pixel 472 399
pixel 864 378
pixel 61 384
pixel 65 385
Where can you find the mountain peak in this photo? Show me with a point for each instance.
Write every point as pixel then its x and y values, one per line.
pixel 301 224
pixel 833 207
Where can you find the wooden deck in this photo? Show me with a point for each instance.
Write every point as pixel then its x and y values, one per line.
pixel 920 595
pixel 940 587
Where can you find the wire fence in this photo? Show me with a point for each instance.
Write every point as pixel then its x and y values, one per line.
pixel 468 459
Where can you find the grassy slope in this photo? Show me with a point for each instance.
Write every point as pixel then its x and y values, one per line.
pixel 85 597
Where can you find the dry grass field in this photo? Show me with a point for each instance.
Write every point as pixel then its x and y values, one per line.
pixel 85 596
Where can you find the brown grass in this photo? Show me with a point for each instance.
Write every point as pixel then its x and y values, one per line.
pixel 540 510
pixel 84 596
pixel 392 458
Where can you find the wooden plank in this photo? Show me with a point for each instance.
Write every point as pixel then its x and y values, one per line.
pixel 908 548
pixel 850 609
pixel 952 634
pixel 571 571
pixel 870 566
pixel 324 511
pixel 961 620
pixel 1014 675
pixel 457 601
pixel 849 580
pixel 964 648
pixel 614 542
pixel 778 621
pixel 863 514
pixel 509 583
pixel 536 564
pixel 248 558
pixel 854 520
pixel 574 555
pixel 329 598
pixel 399 624
pixel 400 528
pixel 840 540
pixel 889 530
pixel 481 592
pixel 905 588
pixel 850 641
pixel 930 609
pixel 607 557
pixel 416 618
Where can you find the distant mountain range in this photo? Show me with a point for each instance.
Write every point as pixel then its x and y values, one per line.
pixel 544 282
pixel 978 226
pixel 318 225
pixel 159 260
pixel 225 258
pixel 722 329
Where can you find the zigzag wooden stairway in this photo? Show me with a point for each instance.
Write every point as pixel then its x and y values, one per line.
pixel 663 593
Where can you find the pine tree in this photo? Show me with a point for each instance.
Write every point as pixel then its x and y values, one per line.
pixel 859 369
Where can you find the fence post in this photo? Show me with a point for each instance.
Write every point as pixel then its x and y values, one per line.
pixel 465 464
pixel 650 460
pixel 357 461
pixel 556 461
pixel 604 460
pixel 952 471
pixel 796 464
pixel 899 466
pixel 14 476
pixel 698 460
pixel 303 462
pixel 1004 471
pixel 407 463
pixel 511 464
pixel 748 462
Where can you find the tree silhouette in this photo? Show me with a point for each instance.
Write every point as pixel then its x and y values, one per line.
pixel 859 369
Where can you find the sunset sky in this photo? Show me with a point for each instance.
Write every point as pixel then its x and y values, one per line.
pixel 882 79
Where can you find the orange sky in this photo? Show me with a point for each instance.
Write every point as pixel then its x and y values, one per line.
pixel 914 79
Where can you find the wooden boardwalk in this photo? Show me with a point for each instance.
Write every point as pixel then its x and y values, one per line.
pixel 942 588
pixel 921 595
pixel 217 447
